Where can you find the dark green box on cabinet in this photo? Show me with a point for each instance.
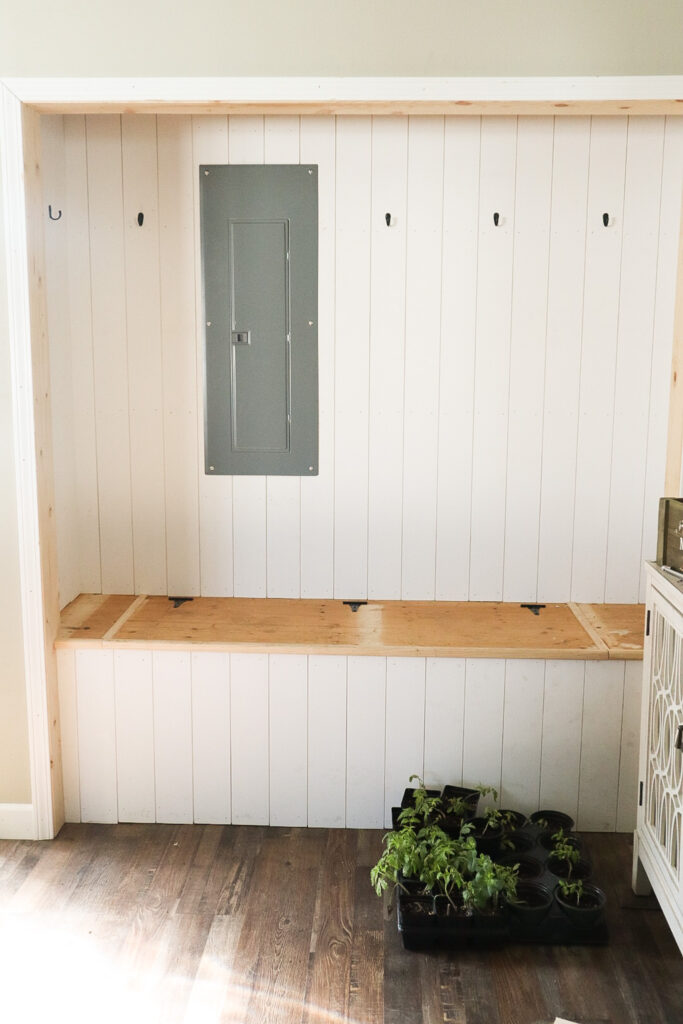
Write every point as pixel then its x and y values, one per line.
pixel 670 533
pixel 259 228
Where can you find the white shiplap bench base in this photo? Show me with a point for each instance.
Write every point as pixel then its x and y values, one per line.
pixel 330 741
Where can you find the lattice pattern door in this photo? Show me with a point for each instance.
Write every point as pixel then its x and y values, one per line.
pixel 664 780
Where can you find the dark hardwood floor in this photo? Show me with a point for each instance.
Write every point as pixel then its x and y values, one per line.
pixel 202 924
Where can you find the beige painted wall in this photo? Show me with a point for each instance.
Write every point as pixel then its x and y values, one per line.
pixel 15 784
pixel 341 37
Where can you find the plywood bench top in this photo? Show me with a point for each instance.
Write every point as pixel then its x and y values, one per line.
pixel 454 629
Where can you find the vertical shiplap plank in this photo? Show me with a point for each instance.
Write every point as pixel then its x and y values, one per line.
pixel 211 737
pixel 326 741
pixel 68 729
pixel 249 739
pixel 173 736
pixel 629 747
pixel 143 320
pixel 108 290
pixel 563 355
pixel 483 728
pixel 318 146
pixel 283 493
pixel 288 756
pixel 134 698
pixel 177 272
pixel 387 355
pixel 462 144
pixel 405 728
pixel 246 140
pixel 444 721
pixel 96 735
pixel 491 382
pixel 561 753
pixel 522 734
pixel 61 371
pixel 644 154
pixel 79 303
pixel 598 357
pixel 527 356
pixel 365 742
pixel 422 350
pixel 352 355
pixel 665 293
pixel 600 736
pixel 210 146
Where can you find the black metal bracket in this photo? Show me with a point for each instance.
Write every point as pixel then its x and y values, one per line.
pixel 141 218
pixel 177 601
pixel 535 609
pixel 679 738
pixel 647 623
pixel 640 795
pixel 354 605
pixel 496 218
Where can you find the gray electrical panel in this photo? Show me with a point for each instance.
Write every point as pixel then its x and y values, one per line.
pixel 260 267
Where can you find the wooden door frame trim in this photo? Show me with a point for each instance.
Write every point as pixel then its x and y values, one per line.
pixel 27 331
pixel 22 100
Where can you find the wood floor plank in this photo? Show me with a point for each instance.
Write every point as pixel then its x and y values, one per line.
pixel 330 950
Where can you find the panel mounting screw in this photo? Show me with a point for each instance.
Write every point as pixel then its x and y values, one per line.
pixel 310 323
pixel 211 468
pixel 208 323
pixel 206 173
pixel 310 469
pixel 310 171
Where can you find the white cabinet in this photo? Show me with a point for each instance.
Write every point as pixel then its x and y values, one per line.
pixel 658 853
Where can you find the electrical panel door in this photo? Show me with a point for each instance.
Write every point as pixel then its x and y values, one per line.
pixel 260 263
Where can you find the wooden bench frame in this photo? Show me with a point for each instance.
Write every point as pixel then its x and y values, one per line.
pixel 21 102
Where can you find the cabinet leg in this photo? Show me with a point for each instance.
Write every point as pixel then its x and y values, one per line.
pixel 639 880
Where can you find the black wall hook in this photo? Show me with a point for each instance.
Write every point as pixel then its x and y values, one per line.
pixel 141 217
pixel 605 219
pixel 49 210
pixel 387 217
pixel 496 218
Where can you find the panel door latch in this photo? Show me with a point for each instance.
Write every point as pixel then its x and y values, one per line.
pixel 241 337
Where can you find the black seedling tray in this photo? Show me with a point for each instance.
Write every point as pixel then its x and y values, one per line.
pixel 452 932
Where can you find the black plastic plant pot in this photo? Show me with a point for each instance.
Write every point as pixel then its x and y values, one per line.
pixel 535 901
pixel 564 869
pixel 487 837
pixel 417 921
pixel 529 868
pixel 552 820
pixel 588 911
pixel 409 796
pixel 518 842
pixel 468 796
pixel 490 928
pixel 512 820
pixel 546 840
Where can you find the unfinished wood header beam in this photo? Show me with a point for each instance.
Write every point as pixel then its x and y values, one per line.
pixel 617 96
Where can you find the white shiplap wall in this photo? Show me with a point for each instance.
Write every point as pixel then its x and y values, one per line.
pixel 331 741
pixel 493 400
